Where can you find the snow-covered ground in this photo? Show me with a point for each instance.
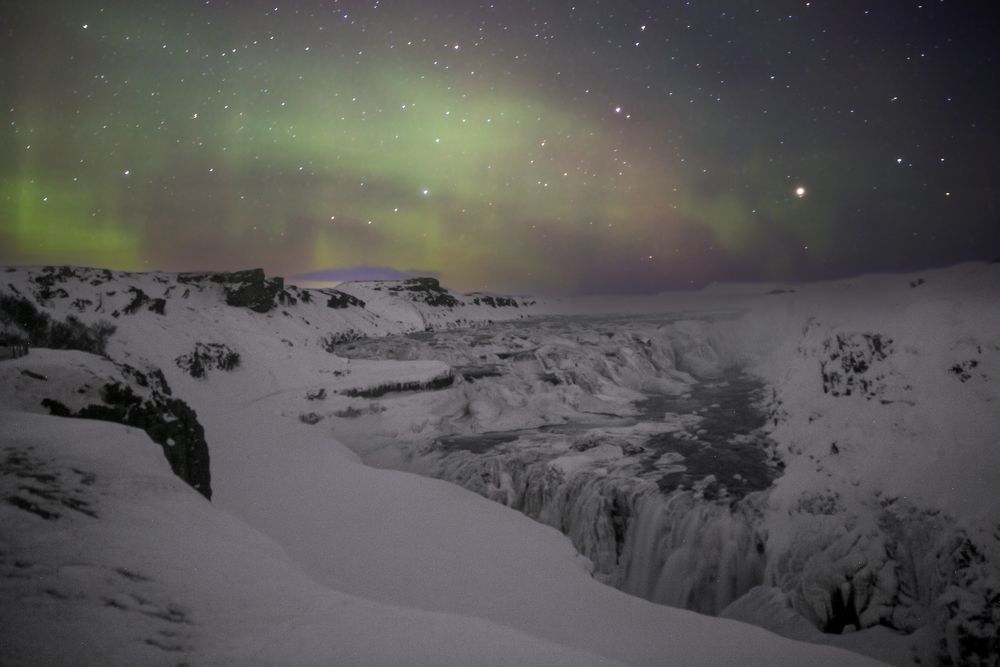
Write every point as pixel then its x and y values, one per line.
pixel 108 559
pixel 881 513
pixel 875 420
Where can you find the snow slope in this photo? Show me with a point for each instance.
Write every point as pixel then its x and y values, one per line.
pixel 116 562
pixel 926 428
pixel 882 399
pixel 305 555
pixel 835 549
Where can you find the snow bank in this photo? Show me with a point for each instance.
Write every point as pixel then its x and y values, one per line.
pixel 109 560
pixel 305 555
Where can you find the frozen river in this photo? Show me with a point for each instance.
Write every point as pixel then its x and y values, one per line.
pixel 717 447
pixel 647 451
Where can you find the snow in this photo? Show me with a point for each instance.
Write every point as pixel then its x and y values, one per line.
pixel 407 540
pixel 374 567
pixel 307 554
pixel 935 435
pixel 160 574
pixel 73 378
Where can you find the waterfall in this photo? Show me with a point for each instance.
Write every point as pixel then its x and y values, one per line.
pixel 686 552
pixel 679 509
pixel 676 549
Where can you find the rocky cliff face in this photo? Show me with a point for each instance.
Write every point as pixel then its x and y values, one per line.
pixel 169 422
pixel 246 289
pixel 185 326
pixel 23 322
pixel 682 517
pixel 84 386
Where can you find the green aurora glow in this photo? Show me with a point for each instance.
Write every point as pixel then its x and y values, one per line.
pixel 184 136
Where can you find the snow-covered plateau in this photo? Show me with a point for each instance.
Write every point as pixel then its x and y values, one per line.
pixel 219 468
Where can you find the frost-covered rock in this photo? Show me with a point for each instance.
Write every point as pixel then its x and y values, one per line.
pixel 207 356
pixel 852 363
pixel 246 289
pixel 80 385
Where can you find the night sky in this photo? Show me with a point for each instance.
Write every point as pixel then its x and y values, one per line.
pixel 546 147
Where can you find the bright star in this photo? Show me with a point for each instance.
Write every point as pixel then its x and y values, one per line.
pixel 800 192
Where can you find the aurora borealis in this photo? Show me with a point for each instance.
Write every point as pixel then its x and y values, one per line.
pixel 550 147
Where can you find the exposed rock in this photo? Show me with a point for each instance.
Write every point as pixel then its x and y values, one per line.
pixel 207 356
pixel 964 369
pixel 245 289
pixel 331 341
pixel 169 422
pixel 41 330
pixel 338 299
pixel 852 364
pixel 81 304
pixel 316 395
pixel 350 412
pixel 427 290
pixel 255 292
pixel 495 301
pixel 139 298
pixel 310 418
pixel 383 389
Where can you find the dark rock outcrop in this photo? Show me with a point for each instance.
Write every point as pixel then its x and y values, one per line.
pixel 338 299
pixel 254 291
pixel 427 290
pixel 331 341
pixel 383 389
pixel 964 370
pixel 139 299
pixel 41 330
pixel 207 356
pixel 852 364
pixel 245 289
pixel 169 422
pixel 495 301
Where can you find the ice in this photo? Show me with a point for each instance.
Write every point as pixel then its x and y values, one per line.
pixel 692 554
pixel 857 488
pixel 843 579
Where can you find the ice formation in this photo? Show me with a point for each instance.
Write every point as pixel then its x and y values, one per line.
pixel 812 460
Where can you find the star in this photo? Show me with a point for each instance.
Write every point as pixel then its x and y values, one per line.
pixel 723 135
